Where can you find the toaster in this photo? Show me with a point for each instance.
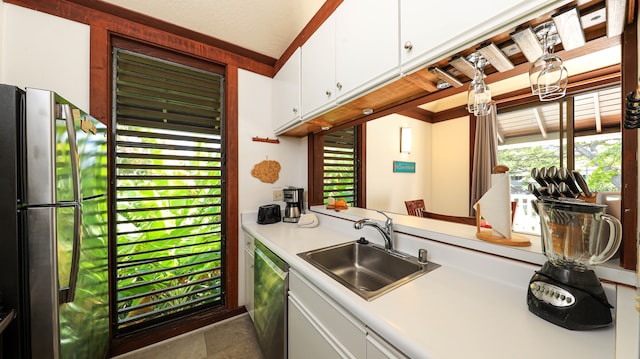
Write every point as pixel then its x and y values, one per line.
pixel 269 213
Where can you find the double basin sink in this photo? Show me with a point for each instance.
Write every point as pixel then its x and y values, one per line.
pixel 366 269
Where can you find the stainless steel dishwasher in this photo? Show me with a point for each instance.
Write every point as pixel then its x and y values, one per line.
pixel 271 283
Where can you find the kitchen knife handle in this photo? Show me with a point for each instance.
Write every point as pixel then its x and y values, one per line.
pixel 583 184
pixel 566 177
pixel 532 188
pixel 535 174
pixel 552 175
pixel 565 190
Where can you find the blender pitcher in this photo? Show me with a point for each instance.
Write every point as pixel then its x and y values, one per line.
pixel 573 232
pixel 566 291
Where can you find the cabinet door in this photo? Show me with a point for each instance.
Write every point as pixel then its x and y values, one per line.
pixel 248 281
pixel 378 348
pixel 346 330
pixel 249 247
pixel 286 94
pixel 306 338
pixel 318 70
pixel 366 45
pixel 429 32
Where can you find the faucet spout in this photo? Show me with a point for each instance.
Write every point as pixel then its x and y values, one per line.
pixel 387 231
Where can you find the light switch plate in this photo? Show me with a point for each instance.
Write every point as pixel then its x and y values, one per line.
pixel 277 195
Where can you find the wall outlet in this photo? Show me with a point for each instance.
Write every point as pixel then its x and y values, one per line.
pixel 277 195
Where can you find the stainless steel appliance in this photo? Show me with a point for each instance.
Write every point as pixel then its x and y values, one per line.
pixel 53 213
pixel 294 198
pixel 566 291
pixel 271 284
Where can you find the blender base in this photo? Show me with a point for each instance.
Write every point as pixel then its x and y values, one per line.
pixel 568 297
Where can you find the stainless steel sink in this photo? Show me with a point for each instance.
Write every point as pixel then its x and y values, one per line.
pixel 366 269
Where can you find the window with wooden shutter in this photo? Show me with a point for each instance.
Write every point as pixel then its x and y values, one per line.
pixel 340 166
pixel 169 190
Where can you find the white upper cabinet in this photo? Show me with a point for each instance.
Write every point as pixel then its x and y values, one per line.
pixel 318 70
pixel 429 32
pixel 367 51
pixel 286 95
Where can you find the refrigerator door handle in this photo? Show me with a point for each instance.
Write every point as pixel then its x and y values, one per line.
pixel 68 294
pixel 73 151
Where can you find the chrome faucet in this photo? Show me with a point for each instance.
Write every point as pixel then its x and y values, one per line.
pixel 386 231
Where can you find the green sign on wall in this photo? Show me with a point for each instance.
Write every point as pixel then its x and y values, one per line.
pixel 405 167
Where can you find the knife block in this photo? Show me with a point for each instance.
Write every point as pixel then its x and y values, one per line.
pixel 516 240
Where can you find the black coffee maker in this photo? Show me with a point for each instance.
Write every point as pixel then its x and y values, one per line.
pixel 294 198
pixel 566 291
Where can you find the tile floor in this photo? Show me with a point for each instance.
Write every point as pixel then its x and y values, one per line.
pixel 233 338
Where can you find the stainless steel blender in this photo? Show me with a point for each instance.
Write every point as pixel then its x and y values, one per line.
pixel 566 291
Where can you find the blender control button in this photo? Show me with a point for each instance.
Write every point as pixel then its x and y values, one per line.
pixel 563 297
pixel 569 300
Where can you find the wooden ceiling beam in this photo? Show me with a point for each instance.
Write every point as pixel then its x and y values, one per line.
pixel 418 114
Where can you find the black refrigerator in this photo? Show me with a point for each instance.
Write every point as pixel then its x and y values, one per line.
pixel 53 228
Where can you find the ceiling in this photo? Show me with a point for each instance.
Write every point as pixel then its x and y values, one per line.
pixel 267 27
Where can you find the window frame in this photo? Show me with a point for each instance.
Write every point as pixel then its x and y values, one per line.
pixel 337 153
pixel 315 183
pixel 137 339
pixel 567 132
pixel 201 132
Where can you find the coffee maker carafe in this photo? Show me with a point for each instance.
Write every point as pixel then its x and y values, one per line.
pixel 294 198
pixel 566 291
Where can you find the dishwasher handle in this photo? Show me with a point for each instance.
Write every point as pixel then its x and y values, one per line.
pixel 273 261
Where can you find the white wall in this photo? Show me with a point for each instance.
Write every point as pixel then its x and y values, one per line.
pixel 450 167
pixel 387 190
pixel 1 37
pixel 255 120
pixel 45 51
pixel 441 154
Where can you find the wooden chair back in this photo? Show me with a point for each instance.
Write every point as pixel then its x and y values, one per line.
pixel 415 207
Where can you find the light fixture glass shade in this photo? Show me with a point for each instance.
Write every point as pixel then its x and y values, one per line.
pixel 405 139
pixel 548 76
pixel 479 95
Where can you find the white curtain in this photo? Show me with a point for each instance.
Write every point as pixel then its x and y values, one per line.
pixel 485 156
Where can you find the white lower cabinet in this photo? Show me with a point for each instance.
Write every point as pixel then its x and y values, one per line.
pixel 307 338
pixel 378 348
pixel 321 328
pixel 248 273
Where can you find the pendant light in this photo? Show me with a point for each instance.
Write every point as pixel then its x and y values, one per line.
pixel 479 94
pixel 548 76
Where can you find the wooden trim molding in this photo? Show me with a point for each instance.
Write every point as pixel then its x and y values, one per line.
pixel 361 143
pixel 629 203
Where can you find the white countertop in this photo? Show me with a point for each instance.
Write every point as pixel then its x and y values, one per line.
pixel 473 306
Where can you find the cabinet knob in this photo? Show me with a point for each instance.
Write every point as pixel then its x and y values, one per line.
pixel 295 110
pixel 339 86
pixel 408 45
pixel 328 93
